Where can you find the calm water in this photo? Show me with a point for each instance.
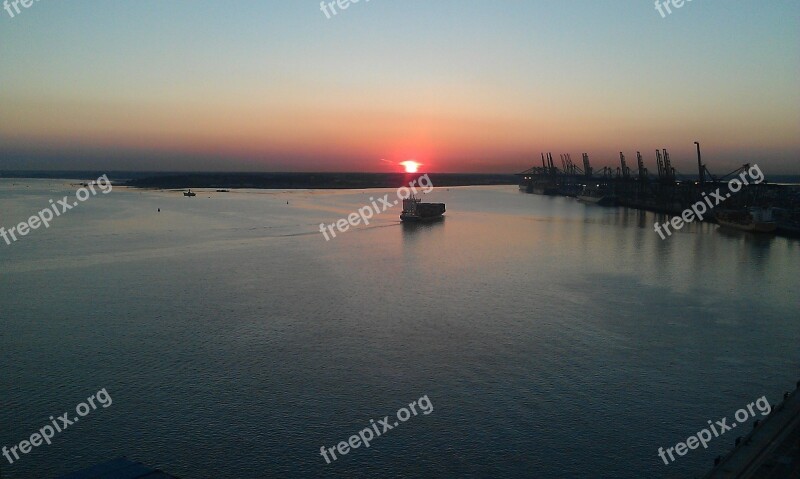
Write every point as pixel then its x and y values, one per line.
pixel 553 339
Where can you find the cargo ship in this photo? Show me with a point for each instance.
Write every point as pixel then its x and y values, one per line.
pixel 414 210
pixel 597 195
pixel 756 220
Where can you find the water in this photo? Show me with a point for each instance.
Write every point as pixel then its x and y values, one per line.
pixel 553 339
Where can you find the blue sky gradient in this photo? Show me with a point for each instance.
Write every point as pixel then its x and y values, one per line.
pixel 458 85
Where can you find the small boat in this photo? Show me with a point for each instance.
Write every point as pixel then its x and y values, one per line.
pixel 223 191
pixel 189 193
pixel 414 210
pixel 756 220
pixel 597 195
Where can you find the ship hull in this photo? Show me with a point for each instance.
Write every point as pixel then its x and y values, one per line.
pixel 756 227
pixel 420 219
pixel 598 200
pixel 544 190
pixel 755 220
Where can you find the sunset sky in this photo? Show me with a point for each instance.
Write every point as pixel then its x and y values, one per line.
pixel 457 85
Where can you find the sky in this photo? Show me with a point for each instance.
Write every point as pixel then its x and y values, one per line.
pixel 457 85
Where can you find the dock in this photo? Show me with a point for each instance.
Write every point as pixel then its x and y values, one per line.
pixel 667 192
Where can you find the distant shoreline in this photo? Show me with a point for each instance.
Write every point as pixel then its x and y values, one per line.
pixel 313 181
pixel 316 181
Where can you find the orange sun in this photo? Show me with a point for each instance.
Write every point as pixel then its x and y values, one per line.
pixel 411 166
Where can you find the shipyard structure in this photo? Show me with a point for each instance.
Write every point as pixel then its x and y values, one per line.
pixel 738 199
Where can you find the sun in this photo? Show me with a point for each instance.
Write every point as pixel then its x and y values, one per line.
pixel 411 166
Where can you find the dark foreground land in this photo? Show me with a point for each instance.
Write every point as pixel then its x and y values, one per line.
pixel 771 450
